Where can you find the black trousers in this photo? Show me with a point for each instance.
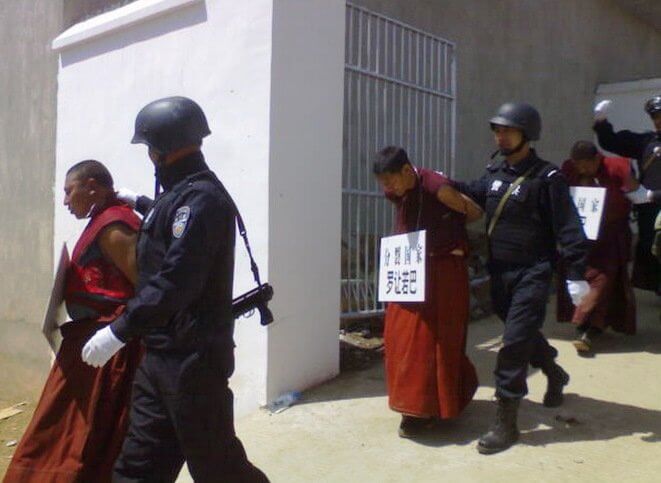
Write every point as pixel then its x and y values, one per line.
pixel 646 267
pixel 519 295
pixel 182 410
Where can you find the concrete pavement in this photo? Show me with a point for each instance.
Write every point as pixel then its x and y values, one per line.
pixel 609 428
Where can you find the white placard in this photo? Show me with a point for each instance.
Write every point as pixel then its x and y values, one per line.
pixel 55 312
pixel 589 202
pixel 402 267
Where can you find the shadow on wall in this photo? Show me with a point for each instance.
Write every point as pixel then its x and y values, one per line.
pixel 186 17
pixel 24 361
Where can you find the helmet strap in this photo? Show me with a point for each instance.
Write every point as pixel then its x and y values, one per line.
pixel 160 166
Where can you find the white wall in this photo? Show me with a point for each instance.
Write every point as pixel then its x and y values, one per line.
pixel 269 75
pixel 218 53
pixel 307 93
pixel 627 110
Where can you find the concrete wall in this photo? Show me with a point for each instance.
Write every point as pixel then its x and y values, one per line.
pixel 27 167
pixel 217 52
pixel 78 10
pixel 307 89
pixel 551 53
pixel 626 111
pixel 269 76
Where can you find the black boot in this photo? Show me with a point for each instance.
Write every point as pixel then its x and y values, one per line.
pixel 503 432
pixel 557 380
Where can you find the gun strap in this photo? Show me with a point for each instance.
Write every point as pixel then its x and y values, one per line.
pixel 242 230
pixel 503 200
pixel 648 162
pixel 244 235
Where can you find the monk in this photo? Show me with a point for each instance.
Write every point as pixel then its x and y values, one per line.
pixel 429 377
pixel 81 418
pixel 610 301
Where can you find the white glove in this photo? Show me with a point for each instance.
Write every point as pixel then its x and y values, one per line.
pixel 577 290
pixel 640 196
pixel 101 347
pixel 601 110
pixel 127 196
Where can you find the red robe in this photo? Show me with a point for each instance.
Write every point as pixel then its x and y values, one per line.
pixel 611 301
pixel 427 371
pixel 80 421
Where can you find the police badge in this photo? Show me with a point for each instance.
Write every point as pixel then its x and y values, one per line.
pixel 181 217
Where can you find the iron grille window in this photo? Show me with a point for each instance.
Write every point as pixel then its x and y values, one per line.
pixel 399 88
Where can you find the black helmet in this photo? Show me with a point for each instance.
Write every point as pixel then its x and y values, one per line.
pixel 521 116
pixel 653 105
pixel 170 124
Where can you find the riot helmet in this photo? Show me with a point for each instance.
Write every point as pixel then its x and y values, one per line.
pixel 169 124
pixel 653 105
pixel 519 115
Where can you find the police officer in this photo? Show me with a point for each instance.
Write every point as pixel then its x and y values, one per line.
pixel 181 403
pixel 645 148
pixel 529 211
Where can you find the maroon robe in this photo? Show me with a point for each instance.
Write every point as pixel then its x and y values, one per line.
pixel 610 301
pixel 427 371
pixel 80 421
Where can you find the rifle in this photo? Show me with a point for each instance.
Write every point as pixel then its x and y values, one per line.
pixel 255 299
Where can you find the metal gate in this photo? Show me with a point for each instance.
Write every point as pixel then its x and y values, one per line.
pixel 399 89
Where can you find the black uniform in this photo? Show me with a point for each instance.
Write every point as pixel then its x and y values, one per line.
pixel 538 215
pixel 646 149
pixel 182 407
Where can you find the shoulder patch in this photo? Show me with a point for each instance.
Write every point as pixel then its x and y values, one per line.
pixel 181 218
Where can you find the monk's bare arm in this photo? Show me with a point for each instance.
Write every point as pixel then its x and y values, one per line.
pixel 118 244
pixel 459 202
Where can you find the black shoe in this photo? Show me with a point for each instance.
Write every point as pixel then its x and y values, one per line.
pixel 412 427
pixel 503 433
pixel 557 380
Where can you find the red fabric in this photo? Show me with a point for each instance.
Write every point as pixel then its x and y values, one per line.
pixel 94 282
pixel 427 371
pixel 611 301
pixel 81 418
pixel 79 425
pixel 446 229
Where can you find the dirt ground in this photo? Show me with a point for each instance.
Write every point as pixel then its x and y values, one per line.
pixel 17 384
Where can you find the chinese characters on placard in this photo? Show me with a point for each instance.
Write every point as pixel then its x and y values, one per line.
pixel 402 268
pixel 401 280
pixel 589 203
pixel 583 206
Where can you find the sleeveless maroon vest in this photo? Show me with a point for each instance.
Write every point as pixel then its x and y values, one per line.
pixel 95 288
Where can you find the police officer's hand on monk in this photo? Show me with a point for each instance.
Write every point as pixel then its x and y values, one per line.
pixel 101 347
pixel 127 196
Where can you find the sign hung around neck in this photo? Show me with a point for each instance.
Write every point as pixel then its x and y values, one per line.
pixel 589 203
pixel 402 267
